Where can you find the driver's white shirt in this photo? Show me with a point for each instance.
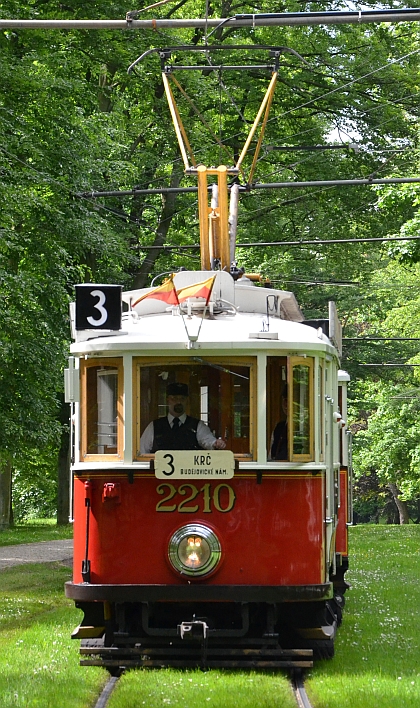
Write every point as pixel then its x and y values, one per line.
pixel 205 437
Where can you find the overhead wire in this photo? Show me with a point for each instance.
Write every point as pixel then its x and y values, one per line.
pixel 338 88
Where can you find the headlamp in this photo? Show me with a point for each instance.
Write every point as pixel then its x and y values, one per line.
pixel 194 550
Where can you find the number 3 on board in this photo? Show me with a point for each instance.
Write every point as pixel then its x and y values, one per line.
pixel 103 312
pixel 98 307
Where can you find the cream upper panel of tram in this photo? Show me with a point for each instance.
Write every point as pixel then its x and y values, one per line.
pixel 242 331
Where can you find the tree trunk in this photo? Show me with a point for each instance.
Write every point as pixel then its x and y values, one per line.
pixel 401 505
pixel 5 492
pixel 140 279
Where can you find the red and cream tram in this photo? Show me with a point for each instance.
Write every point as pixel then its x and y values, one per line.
pixel 228 546
pixel 223 541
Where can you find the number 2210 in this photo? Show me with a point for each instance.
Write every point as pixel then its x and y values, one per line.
pixel 208 498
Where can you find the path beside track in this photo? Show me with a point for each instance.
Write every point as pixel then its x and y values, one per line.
pixel 43 552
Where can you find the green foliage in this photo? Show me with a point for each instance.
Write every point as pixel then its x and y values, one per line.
pixel 373 501
pixel 34 483
pixel 390 445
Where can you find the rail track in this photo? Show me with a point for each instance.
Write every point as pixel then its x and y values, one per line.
pixel 103 699
pixel 299 690
pixel 297 682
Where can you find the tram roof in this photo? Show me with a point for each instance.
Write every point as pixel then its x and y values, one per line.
pixel 239 322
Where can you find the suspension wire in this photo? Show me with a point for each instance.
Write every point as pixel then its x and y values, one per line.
pixel 294 135
pixel 337 89
pixel 398 60
pixel 328 184
pixel 295 244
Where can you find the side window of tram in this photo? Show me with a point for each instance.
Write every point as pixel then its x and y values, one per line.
pixel 218 396
pixel 101 403
pixel 302 409
pixel 277 409
pixel 290 408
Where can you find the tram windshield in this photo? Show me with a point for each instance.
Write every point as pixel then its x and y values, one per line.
pixel 216 391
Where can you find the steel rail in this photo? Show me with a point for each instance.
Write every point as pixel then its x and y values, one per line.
pixel 299 690
pixel 288 19
pixel 106 692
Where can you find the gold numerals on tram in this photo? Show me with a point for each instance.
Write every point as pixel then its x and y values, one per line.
pixel 205 499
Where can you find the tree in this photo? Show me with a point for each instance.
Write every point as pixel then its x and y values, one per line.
pixel 389 444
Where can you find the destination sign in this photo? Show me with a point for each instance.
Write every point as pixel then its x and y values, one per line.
pixel 194 464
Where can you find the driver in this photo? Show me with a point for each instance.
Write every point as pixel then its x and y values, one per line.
pixel 177 430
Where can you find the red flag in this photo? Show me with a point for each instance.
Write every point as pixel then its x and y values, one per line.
pixel 165 292
pixel 202 289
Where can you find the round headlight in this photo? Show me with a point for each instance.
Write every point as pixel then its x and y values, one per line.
pixel 194 550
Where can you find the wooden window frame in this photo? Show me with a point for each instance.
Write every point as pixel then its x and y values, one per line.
pixel 250 361
pixel 321 387
pixel 309 363
pixel 85 365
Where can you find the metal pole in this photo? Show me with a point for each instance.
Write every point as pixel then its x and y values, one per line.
pixel 233 219
pixel 179 128
pixel 267 98
pixel 203 216
pixel 287 19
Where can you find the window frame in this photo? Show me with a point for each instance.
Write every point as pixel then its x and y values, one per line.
pixel 309 362
pixel 321 387
pixel 226 361
pixel 85 365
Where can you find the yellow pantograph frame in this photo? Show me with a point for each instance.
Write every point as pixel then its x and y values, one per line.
pixel 214 222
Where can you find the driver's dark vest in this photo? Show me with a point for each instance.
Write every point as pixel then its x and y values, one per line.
pixel 183 438
pixel 279 448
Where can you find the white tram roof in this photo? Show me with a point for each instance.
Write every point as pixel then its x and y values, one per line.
pixel 240 318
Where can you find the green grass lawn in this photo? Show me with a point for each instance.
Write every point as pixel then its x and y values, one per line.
pixel 377 662
pixel 33 531
pixel 196 689
pixel 39 663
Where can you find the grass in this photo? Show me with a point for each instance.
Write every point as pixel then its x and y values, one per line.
pixel 33 531
pixel 39 663
pixel 378 645
pixel 196 689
